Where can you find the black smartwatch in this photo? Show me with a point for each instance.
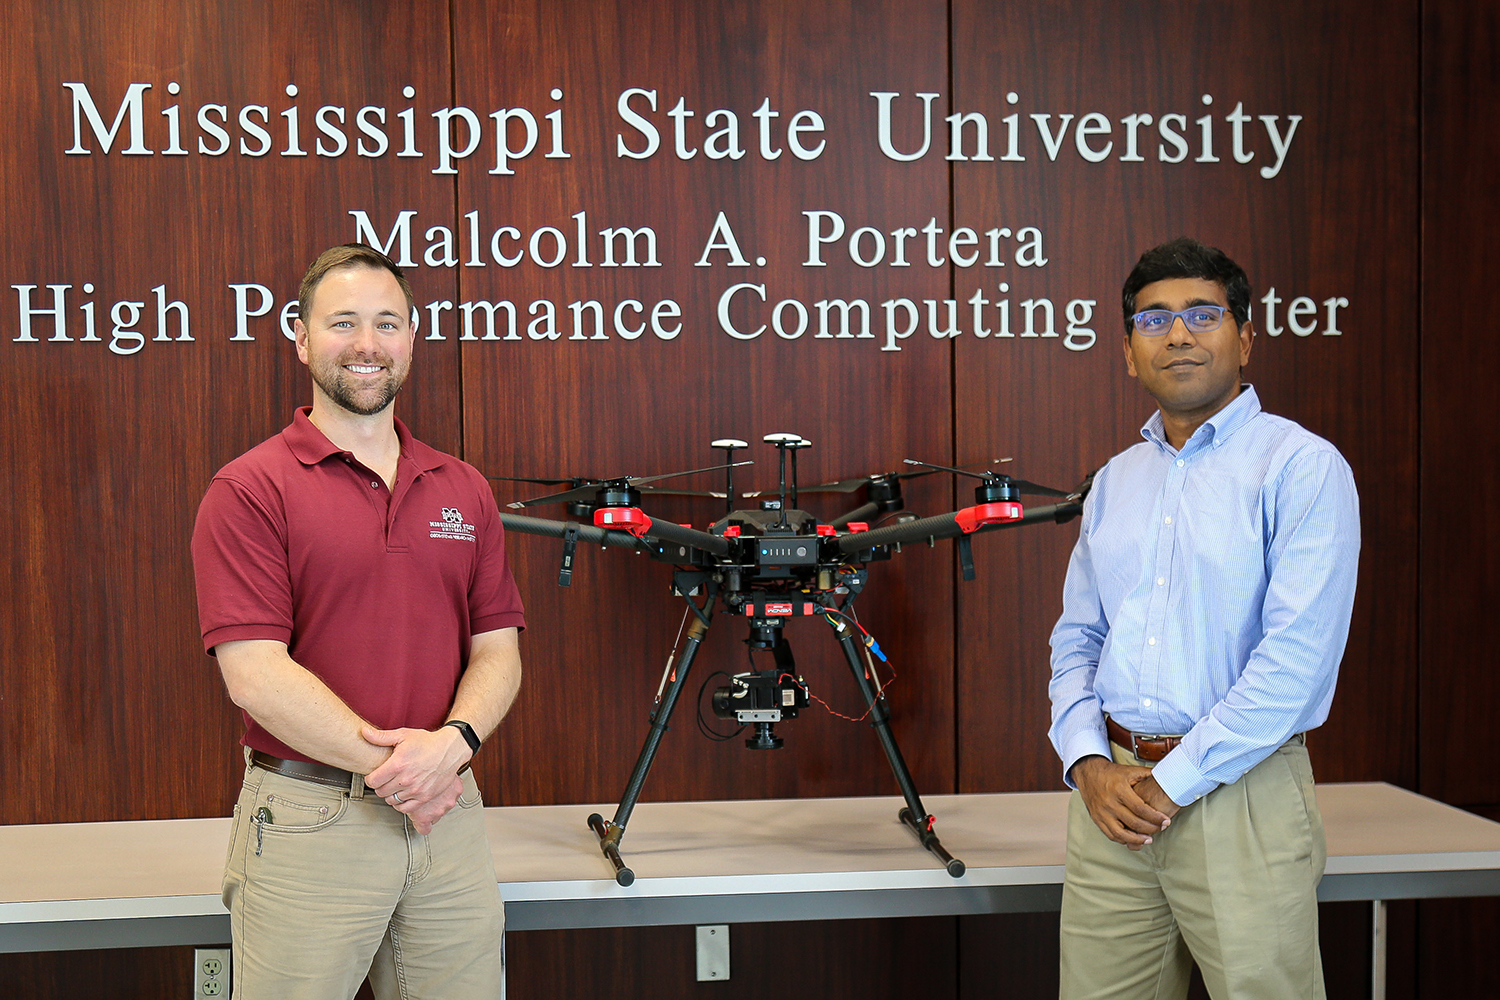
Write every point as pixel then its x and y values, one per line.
pixel 468 733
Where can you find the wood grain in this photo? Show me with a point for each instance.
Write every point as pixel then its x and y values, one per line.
pixel 113 712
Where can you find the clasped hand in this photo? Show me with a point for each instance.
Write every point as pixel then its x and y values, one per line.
pixel 1125 802
pixel 420 777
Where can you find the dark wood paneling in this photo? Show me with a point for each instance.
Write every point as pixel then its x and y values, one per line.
pixel 121 974
pixel 1349 181
pixel 795 960
pixel 104 680
pixel 595 651
pixel 1460 569
pixel 110 455
pixel 1460 486
pixel 113 711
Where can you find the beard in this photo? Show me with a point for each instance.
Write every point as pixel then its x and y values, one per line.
pixel 367 397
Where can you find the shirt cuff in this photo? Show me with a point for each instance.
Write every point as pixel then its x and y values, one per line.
pixel 1183 783
pixel 497 620
pixel 236 633
pixel 1089 743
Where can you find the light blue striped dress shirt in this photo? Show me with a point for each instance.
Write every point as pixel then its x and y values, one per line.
pixel 1208 595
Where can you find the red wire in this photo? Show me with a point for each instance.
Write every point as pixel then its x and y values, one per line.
pixel 878 692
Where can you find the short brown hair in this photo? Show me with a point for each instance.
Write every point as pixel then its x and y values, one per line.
pixel 349 255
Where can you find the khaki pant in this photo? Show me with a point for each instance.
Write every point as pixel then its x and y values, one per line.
pixel 1232 884
pixel 334 886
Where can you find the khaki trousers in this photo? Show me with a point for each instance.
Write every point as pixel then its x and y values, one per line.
pixel 1232 884
pixel 335 885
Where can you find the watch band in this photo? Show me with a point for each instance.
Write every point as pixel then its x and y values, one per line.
pixel 470 737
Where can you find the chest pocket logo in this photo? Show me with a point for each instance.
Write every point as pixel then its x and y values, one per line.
pixel 452 526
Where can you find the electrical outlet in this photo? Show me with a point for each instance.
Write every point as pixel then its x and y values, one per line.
pixel 210 972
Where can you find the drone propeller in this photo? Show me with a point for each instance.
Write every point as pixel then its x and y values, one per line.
pixel 587 491
pixel 850 485
pixel 573 480
pixel 1025 486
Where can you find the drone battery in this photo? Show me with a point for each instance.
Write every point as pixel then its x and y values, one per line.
pixel 786 553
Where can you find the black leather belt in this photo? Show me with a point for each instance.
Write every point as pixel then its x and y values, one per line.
pixel 321 774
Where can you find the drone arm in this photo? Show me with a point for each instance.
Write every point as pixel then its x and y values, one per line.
pixel 948 526
pixel 666 531
pixel 941 526
pixel 557 529
pixel 860 513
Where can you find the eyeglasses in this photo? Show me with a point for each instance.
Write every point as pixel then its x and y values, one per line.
pixel 1198 319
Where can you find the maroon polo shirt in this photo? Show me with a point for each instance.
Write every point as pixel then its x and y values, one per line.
pixel 375 591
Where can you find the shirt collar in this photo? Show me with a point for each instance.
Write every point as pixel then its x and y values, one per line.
pixel 1240 411
pixel 311 446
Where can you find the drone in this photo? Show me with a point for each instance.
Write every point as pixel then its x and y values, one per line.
pixel 771 564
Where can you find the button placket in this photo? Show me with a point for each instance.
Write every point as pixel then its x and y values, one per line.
pixel 1161 571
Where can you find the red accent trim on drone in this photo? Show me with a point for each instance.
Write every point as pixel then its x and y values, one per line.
pixel 827 531
pixel 973 518
pixel 858 526
pixel 631 519
pixel 733 531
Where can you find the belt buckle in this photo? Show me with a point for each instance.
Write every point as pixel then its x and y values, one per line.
pixel 1137 738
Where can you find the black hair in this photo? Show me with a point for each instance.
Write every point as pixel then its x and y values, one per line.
pixel 1185 257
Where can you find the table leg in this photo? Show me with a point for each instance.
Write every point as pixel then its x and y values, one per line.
pixel 1377 949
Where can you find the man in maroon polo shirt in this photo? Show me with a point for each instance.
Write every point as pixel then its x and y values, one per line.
pixel 353 585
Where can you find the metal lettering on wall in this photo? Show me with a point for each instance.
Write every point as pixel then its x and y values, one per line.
pixel 63 309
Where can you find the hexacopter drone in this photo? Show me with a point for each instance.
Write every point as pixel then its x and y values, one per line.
pixel 770 565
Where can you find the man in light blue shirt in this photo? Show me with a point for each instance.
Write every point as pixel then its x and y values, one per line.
pixel 1204 616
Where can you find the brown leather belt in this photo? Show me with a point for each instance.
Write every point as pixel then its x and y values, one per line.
pixel 1152 748
pixel 322 774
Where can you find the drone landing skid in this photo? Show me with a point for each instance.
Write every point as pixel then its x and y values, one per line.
pixel 913 815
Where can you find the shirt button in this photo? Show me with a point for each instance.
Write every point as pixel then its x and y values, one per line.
pixel 1161 581
pixel 1167 519
pixel 1151 641
pixel 374 485
pixel 1180 463
pixel 1146 702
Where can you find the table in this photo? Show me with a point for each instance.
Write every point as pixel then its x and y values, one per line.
pixel 73 886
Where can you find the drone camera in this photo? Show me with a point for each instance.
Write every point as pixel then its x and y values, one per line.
pixel 764 696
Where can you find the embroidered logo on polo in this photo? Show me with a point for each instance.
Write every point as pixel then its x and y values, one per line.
pixel 451 526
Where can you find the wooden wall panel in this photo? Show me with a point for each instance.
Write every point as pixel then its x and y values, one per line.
pixel 599 408
pixel 1460 486
pixel 112 710
pixel 795 960
pixel 110 454
pixel 114 713
pixel 1348 181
